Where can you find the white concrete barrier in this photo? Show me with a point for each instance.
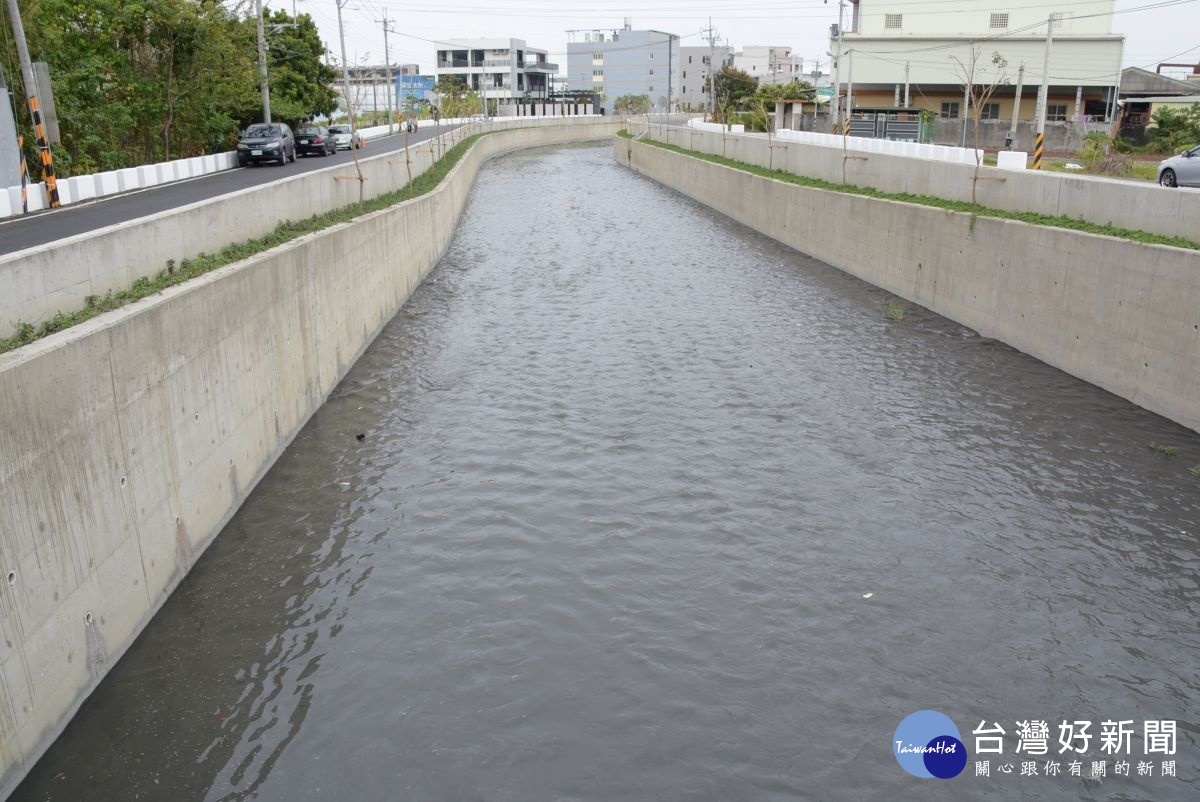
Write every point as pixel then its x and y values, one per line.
pixel 1012 160
pixel 35 197
pixel 107 183
pixel 65 194
pixel 124 180
pixel 128 179
pixel 83 187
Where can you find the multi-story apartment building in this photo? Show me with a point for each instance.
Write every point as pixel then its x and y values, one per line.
pixel 504 70
pixel 693 74
pixel 770 64
pixel 887 44
pixel 626 62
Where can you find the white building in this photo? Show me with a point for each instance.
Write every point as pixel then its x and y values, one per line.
pixel 770 64
pixel 887 44
pixel 614 63
pixel 505 70
pixel 693 73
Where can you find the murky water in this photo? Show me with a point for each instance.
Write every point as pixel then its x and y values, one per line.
pixel 629 471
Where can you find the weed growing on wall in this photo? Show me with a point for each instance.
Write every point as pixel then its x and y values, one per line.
pixel 893 310
pixel 203 263
pixel 964 207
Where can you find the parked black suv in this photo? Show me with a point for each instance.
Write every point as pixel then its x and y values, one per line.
pixel 266 142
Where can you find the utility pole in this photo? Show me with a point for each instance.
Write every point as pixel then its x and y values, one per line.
pixel 262 63
pixel 35 112
pixel 1039 141
pixel 391 78
pixel 712 71
pixel 849 93
pixel 967 86
pixel 670 68
pixel 1012 128
pixel 837 64
pixel 345 71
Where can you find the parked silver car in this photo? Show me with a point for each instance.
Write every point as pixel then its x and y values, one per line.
pixel 341 135
pixel 1182 170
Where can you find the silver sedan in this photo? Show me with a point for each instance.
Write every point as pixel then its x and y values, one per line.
pixel 1182 170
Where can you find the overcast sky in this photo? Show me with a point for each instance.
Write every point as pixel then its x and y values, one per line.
pixel 1168 32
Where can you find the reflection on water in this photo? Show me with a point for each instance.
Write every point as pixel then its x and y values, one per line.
pixel 628 472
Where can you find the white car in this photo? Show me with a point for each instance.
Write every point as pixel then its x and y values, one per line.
pixel 341 136
pixel 1182 170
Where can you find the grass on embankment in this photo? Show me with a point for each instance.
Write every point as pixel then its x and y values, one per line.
pixel 203 263
pixel 940 203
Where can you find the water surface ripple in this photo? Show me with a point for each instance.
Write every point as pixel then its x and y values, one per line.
pixel 628 471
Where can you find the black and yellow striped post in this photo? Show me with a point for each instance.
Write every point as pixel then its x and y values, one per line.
pixel 43 146
pixel 24 176
pixel 1039 146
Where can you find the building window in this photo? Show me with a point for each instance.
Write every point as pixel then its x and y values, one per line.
pixel 892 21
pixel 597 57
pixel 685 73
pixel 597 73
pixel 650 89
pixel 1056 112
pixel 950 111
pixel 652 55
pixel 651 72
pixel 989 111
pixel 999 21
pixel 689 59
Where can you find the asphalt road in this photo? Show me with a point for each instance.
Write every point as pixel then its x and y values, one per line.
pixel 41 228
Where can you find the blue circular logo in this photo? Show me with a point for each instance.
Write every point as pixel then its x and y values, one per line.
pixel 927 744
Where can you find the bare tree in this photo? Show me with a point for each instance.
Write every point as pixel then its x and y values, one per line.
pixel 979 90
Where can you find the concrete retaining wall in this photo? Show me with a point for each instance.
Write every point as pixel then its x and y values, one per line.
pixel 38 282
pixel 1118 314
pixel 127 442
pixel 1135 205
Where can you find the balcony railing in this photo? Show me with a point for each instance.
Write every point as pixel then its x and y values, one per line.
pixel 544 66
pixel 444 64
